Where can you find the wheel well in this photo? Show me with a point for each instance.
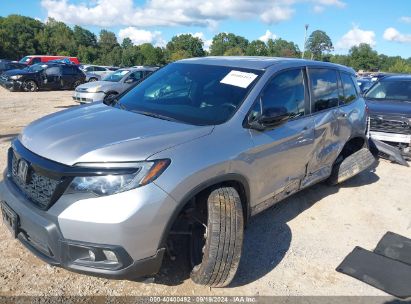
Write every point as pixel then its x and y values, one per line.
pixel 199 195
pixel 353 145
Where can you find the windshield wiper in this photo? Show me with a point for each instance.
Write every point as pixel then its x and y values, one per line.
pixel 155 115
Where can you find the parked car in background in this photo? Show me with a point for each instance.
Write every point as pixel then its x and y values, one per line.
pixel 33 59
pixel 389 103
pixel 90 77
pixel 98 70
pixel 47 76
pixel 193 151
pixel 364 83
pixel 6 65
pixel 111 85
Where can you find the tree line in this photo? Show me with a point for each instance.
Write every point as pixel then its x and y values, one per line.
pixel 21 36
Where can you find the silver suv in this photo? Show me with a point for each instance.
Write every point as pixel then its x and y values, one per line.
pixel 195 149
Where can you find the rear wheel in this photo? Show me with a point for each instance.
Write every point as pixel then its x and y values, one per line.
pixel 30 86
pixel 345 168
pixel 92 79
pixel 215 246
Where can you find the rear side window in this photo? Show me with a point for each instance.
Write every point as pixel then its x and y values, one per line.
pixel 349 91
pixel 285 94
pixel 324 89
pixel 53 71
pixel 35 60
pixel 99 69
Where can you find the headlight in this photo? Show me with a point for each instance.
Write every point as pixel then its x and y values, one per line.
pixel 16 77
pixel 94 89
pixel 145 173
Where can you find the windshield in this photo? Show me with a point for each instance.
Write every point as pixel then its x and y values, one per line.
pixel 191 93
pixel 116 76
pixel 36 67
pixel 391 90
pixel 25 59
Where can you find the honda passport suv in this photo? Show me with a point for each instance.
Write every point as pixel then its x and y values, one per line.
pixel 196 149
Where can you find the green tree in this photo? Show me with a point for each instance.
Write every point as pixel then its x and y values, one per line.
pixel 400 66
pixel 222 42
pixel 340 59
pixel 57 39
pixel 257 48
pixel 318 43
pixel 84 37
pixel 185 45
pixel 126 43
pixel 283 48
pixel 107 41
pixel 19 36
pixel 151 55
pixel 363 57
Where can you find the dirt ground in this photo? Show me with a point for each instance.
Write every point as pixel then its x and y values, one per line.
pixel 290 249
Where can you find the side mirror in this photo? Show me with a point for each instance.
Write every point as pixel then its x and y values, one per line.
pixel 271 117
pixel 129 80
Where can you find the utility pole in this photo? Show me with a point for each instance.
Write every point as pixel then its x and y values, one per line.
pixel 305 40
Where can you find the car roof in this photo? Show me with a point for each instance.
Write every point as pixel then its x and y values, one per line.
pixel 404 77
pixel 258 62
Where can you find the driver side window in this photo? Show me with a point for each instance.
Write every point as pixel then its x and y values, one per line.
pixel 285 94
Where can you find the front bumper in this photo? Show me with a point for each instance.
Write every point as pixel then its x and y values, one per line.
pixel 391 137
pixel 11 84
pixel 84 97
pixel 40 232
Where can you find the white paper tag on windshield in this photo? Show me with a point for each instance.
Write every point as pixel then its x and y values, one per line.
pixel 239 79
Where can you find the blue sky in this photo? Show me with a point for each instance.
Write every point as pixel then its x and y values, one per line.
pixel 386 25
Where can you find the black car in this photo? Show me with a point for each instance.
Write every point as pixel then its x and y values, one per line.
pixel 44 76
pixel 6 65
pixel 389 103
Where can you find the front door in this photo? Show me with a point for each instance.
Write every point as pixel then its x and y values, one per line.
pixel 280 155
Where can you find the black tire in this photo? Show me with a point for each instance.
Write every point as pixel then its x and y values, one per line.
pixel 109 96
pixel 223 239
pixel 30 86
pixel 76 84
pixel 351 166
pixel 92 79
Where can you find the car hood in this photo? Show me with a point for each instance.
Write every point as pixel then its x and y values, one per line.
pixel 99 133
pixel 389 107
pixel 18 72
pixel 103 84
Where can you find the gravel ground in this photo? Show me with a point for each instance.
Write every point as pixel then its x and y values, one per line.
pixel 290 249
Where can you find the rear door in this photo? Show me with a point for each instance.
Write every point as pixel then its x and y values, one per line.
pixel 281 154
pixel 52 76
pixel 325 113
pixel 68 76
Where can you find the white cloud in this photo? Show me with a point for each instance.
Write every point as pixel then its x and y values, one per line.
pixel 206 13
pixel 405 19
pixel 139 36
pixel 356 36
pixel 318 8
pixel 392 34
pixel 268 35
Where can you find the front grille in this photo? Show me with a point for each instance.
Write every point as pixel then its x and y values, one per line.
pixel 390 125
pixel 39 189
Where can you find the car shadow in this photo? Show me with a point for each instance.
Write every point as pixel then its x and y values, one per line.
pixel 267 237
pixel 65 107
pixel 8 137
